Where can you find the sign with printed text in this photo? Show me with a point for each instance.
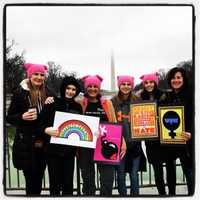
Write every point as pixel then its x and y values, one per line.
pixel 171 124
pixel 144 121
pixel 108 144
pixel 75 129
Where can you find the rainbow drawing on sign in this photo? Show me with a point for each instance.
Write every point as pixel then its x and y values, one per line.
pixel 75 127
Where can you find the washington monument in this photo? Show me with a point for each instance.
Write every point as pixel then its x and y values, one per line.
pixel 112 73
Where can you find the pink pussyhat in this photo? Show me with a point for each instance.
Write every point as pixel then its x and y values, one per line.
pixel 92 80
pixel 150 77
pixel 34 68
pixel 122 79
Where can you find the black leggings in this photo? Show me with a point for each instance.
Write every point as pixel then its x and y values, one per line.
pixel 34 176
pixel 61 173
pixel 188 172
pixel 159 177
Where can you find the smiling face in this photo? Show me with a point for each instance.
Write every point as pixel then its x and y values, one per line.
pixel 37 79
pixel 149 85
pixel 125 88
pixel 92 91
pixel 70 91
pixel 177 81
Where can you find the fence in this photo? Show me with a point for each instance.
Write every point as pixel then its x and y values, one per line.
pixel 14 181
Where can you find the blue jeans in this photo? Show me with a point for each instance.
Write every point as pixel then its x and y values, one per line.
pixel 134 179
pixel 121 178
pixel 134 176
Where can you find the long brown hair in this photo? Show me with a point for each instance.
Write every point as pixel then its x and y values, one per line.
pixel 37 94
pixel 120 99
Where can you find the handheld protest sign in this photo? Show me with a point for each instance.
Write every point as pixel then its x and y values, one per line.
pixel 108 144
pixel 75 129
pixel 144 121
pixel 171 124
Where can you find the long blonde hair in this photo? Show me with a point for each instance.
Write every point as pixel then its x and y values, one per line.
pixel 37 95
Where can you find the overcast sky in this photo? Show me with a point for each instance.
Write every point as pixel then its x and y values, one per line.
pixel 81 38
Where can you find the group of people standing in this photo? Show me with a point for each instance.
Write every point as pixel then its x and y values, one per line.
pixel 32 111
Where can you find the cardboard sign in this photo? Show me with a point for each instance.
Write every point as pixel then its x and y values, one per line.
pixel 75 129
pixel 108 144
pixel 144 121
pixel 171 124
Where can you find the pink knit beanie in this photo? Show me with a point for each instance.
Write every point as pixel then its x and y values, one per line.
pixel 122 79
pixel 150 77
pixel 33 68
pixel 92 80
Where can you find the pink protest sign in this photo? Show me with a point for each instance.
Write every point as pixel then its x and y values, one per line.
pixel 108 144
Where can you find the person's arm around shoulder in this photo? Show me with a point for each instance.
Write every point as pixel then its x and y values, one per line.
pixel 47 118
pixel 81 102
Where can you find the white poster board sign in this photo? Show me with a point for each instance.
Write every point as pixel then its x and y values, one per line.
pixel 75 129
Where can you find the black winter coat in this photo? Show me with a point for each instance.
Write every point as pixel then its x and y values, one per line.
pixel 47 120
pixel 153 148
pixel 182 98
pixel 27 132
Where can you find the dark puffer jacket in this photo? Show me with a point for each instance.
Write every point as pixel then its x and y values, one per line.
pixel 182 98
pixel 27 132
pixel 153 148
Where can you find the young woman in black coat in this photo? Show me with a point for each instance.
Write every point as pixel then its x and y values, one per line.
pixel 150 92
pixel 60 158
pixel 24 113
pixel 181 95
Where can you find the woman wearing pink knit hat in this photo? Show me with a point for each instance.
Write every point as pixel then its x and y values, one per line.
pixel 24 111
pixel 182 94
pixel 150 92
pixel 94 104
pixel 121 103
